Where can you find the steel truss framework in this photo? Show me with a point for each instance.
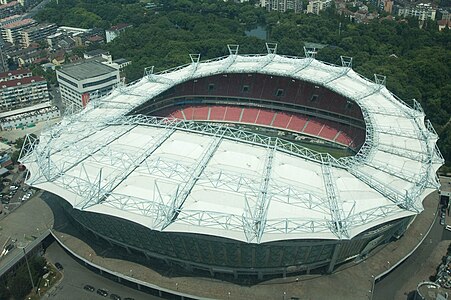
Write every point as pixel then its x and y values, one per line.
pixel 92 190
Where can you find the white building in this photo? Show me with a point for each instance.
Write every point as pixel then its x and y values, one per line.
pixel 81 82
pixel 120 63
pixel 28 116
pixel 422 11
pixel 282 5
pixel 115 31
pixel 315 6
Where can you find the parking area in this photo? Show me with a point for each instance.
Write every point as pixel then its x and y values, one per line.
pixel 81 283
pixel 15 192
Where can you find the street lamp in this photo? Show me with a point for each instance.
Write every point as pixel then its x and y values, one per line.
pixel 23 245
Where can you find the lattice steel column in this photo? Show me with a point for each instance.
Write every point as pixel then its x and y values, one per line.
pixel 133 165
pixel 336 210
pixel 257 213
pixel 183 192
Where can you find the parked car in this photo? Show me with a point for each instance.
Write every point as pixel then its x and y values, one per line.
pixel 102 292
pixel 89 288
pixel 448 227
pixel 115 297
pixel 442 221
pixel 59 266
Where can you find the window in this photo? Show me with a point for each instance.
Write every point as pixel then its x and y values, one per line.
pixel 279 93
pixel 68 81
pixel 314 98
pixel 211 87
pixel 98 82
pixel 245 89
pixel 349 105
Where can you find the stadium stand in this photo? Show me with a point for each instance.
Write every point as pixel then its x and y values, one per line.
pixel 346 135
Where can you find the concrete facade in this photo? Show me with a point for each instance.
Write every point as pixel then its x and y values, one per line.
pixel 82 82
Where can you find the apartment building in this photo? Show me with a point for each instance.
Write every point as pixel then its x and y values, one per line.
pixel 22 92
pixel 15 74
pixel 316 6
pixel 37 33
pixel 282 5
pixel 12 32
pixel 422 11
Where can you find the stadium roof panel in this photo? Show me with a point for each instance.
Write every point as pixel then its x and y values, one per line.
pixel 216 180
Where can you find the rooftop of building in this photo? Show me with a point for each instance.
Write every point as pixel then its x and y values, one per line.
pixel 21 81
pixel 444 23
pixel 95 38
pixel 86 69
pixel 28 109
pixel 40 27
pixel 12 3
pixel 119 27
pixel 96 52
pixel 14 72
pixel 7 19
pixel 19 23
pixel 121 61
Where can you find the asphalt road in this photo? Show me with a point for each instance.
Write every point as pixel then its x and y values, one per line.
pixel 390 285
pixel 76 276
pixel 37 8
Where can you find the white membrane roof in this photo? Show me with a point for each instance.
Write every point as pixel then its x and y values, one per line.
pixel 176 176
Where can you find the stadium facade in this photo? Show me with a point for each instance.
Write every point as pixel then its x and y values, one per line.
pixel 165 168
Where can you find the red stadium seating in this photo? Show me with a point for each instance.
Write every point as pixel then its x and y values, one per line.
pixel 297 123
pixel 188 112
pixel 233 114
pixel 265 117
pixel 249 115
pixel 178 114
pixel 201 113
pixel 326 129
pixel 313 127
pixel 217 113
pixel 281 120
pixel 329 130
pixel 342 138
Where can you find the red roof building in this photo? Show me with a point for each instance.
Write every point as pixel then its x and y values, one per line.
pixel 23 92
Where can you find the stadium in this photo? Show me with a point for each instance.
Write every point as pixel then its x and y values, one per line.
pixel 210 166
